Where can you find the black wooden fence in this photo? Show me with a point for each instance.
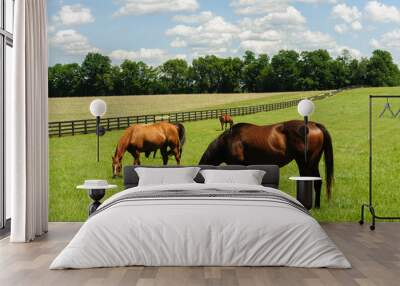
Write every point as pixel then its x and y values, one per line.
pixel 86 126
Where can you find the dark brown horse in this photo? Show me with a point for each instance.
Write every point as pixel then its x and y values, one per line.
pixel 225 119
pixel 147 138
pixel 278 144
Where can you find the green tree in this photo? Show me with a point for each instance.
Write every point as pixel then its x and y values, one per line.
pixel 96 72
pixel 285 71
pixel 315 72
pixel 340 70
pixel 381 71
pixel 174 76
pixel 231 71
pixel 138 78
pixel 256 72
pixel 206 74
pixel 65 80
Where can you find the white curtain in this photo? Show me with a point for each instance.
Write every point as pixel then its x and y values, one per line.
pixel 26 124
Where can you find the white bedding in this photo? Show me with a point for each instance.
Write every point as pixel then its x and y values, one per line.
pixel 200 231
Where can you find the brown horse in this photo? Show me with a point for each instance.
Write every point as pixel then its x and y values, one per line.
pixel 224 119
pixel 182 139
pixel 147 138
pixel 278 144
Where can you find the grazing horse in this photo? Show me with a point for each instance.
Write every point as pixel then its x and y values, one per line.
pixel 182 139
pixel 224 119
pixel 147 138
pixel 278 144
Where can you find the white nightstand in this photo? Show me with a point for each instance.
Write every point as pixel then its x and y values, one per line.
pixel 97 190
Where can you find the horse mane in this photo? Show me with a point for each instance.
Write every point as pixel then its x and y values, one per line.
pixel 123 143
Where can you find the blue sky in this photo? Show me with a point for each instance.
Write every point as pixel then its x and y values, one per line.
pixel 156 30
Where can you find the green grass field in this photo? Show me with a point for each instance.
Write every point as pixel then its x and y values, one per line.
pixel 78 108
pixel 73 159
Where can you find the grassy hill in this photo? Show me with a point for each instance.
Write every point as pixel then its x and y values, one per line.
pixel 73 159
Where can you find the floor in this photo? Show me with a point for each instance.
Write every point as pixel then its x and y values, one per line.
pixel 375 257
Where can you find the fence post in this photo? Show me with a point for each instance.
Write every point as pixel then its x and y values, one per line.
pixel 85 124
pixel 59 129
pixel 73 128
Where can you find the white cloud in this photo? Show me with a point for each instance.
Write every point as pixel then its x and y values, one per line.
pixel 73 15
pixel 375 44
pixel 338 50
pixel 291 16
pixel 378 12
pixel 140 7
pixel 388 41
pixel 194 19
pixel 356 25
pixel 346 13
pixel 213 36
pixel 341 28
pixel 152 56
pixel 289 19
pixel 351 17
pixel 248 7
pixel 259 46
pixel 72 43
pixel 178 43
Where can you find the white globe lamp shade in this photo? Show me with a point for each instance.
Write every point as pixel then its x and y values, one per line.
pixel 305 107
pixel 98 107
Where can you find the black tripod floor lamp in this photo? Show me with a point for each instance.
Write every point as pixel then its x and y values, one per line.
pixel 370 205
pixel 98 108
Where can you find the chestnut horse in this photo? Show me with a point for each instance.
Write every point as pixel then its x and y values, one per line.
pixel 147 138
pixel 277 144
pixel 224 119
pixel 182 139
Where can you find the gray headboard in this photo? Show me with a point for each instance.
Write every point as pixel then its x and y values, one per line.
pixel 271 178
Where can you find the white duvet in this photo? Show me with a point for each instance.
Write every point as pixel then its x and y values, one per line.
pixel 200 231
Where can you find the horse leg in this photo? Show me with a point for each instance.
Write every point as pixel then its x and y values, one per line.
pixel 222 125
pixel 164 154
pixel 154 154
pixel 137 158
pixel 317 188
pixel 177 155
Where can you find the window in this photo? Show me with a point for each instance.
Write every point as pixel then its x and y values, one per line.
pixel 6 44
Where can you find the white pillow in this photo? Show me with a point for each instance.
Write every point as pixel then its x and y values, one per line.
pixel 248 177
pixel 166 176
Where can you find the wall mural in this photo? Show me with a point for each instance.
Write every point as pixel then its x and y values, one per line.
pixel 223 88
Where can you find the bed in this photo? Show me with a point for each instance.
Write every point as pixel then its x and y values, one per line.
pixel 201 224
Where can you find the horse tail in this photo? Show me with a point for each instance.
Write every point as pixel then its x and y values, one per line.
pixel 181 132
pixel 328 157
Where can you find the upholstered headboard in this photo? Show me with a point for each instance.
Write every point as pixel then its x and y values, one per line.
pixel 271 178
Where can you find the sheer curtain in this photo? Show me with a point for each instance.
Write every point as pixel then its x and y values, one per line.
pixel 26 124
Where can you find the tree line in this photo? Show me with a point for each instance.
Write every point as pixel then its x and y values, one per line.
pixel 287 70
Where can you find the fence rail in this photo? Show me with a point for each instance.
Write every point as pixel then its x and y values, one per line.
pixel 85 126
